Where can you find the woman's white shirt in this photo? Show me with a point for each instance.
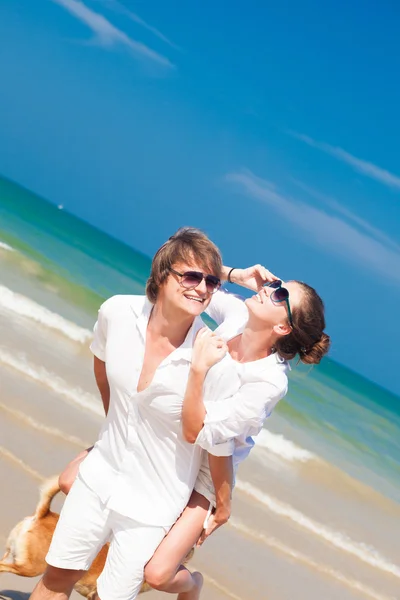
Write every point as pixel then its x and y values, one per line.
pixel 236 411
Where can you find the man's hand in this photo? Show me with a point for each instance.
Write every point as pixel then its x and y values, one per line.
pixel 208 349
pixel 253 277
pixel 215 520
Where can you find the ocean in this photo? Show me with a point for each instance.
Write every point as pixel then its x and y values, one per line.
pixel 321 490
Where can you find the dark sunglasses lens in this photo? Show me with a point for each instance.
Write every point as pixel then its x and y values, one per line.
pixel 280 295
pixel 192 279
pixel 212 283
pixel 273 284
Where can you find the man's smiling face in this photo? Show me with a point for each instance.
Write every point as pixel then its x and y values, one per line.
pixel 190 301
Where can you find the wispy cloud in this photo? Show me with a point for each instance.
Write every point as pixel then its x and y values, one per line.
pixel 364 225
pixel 334 234
pixel 122 10
pixel 358 164
pixel 107 34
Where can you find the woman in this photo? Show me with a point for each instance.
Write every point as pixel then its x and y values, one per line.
pixel 274 326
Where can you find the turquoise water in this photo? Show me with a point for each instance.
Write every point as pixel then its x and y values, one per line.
pixel 344 418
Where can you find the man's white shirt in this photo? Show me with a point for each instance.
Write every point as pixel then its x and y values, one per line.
pixel 141 466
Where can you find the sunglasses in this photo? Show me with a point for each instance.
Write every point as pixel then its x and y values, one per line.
pixel 191 279
pixel 280 294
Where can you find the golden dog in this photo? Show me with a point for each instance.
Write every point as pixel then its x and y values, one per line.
pixel 29 541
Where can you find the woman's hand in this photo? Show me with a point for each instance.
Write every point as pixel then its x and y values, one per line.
pixel 208 349
pixel 253 277
pixel 215 521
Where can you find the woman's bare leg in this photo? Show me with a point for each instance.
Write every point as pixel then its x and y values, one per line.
pixel 164 571
pixel 70 472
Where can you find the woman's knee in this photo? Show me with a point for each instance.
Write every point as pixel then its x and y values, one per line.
pixel 158 576
pixel 70 472
pixel 65 481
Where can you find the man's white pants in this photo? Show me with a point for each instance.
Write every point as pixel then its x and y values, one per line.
pixel 85 525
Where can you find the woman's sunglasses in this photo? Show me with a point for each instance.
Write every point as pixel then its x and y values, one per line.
pixel 280 294
pixel 191 279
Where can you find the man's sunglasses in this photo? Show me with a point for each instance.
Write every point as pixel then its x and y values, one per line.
pixel 280 294
pixel 191 279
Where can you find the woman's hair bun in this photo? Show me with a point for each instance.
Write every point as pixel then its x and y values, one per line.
pixel 314 354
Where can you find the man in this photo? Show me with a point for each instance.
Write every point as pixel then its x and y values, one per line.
pixel 139 476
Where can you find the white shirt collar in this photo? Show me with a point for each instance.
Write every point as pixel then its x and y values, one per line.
pixel 260 365
pixel 185 350
pixel 142 308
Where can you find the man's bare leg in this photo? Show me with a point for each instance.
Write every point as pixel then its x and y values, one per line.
pixel 56 584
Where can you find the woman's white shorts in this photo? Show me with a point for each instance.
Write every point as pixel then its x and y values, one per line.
pixel 85 525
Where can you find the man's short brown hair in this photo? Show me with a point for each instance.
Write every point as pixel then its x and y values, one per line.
pixel 187 245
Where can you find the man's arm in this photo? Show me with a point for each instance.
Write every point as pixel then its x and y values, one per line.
pixel 221 470
pixel 100 375
pixel 98 348
pixel 228 309
pixel 69 474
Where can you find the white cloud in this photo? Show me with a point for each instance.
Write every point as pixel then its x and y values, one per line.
pixel 351 216
pixel 121 9
pixel 332 233
pixel 107 34
pixel 358 164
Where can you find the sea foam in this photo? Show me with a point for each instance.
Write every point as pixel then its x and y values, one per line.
pixel 51 431
pixel 363 552
pixel 75 395
pixel 4 246
pixel 308 561
pixel 284 448
pixel 25 307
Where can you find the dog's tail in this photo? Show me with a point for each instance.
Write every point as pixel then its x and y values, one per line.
pixel 47 492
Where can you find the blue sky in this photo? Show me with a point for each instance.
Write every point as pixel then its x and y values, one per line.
pixel 274 128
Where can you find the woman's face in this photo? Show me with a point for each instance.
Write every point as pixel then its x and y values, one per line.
pixel 187 301
pixel 272 314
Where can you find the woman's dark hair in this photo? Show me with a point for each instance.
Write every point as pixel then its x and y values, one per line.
pixel 307 338
pixel 187 245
